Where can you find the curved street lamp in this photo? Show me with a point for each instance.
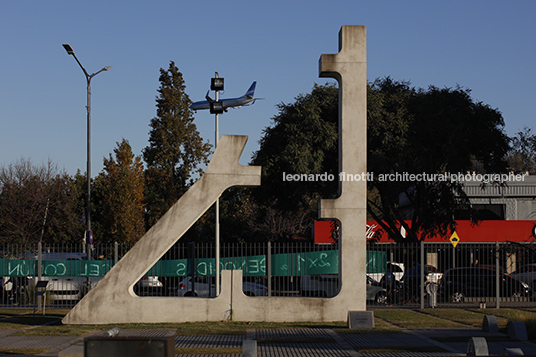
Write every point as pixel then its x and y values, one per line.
pixel 70 51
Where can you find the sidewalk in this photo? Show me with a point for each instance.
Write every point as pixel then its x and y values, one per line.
pixel 411 342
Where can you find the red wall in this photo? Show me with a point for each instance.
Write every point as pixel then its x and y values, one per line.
pixel 485 231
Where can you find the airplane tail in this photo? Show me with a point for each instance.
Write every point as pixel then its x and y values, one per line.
pixel 251 90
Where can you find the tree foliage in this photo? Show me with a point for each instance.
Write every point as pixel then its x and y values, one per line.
pixel 410 130
pixel 176 150
pixel 120 195
pixel 39 203
pixel 301 140
pixel 522 156
pixel 432 131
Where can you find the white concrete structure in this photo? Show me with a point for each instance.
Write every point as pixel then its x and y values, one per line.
pixel 113 299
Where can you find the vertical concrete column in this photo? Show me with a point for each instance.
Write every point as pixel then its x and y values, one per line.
pixel 349 68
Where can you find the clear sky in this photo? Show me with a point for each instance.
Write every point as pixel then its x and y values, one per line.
pixel 487 46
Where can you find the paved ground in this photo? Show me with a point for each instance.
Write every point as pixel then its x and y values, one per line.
pixel 411 342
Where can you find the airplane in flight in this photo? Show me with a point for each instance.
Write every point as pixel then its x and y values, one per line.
pixel 246 99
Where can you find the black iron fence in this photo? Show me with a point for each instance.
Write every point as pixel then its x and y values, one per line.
pixel 417 275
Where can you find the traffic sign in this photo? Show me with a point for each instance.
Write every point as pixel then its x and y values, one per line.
pixel 454 239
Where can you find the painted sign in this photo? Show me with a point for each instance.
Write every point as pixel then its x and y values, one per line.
pixel 294 264
pixel 28 267
pixel 454 239
pixel 484 231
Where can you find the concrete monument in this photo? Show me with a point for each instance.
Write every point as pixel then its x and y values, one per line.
pixel 113 299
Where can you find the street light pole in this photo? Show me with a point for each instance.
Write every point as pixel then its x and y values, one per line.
pixel 217 228
pixel 89 233
pixel 216 108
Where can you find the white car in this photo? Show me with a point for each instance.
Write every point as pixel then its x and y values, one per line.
pixel 328 286
pixel 433 276
pixel 397 269
pixel 65 287
pixel 68 288
pixel 205 287
pixel 147 285
pixel 526 274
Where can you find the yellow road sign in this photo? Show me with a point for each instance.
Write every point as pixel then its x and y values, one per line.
pixel 454 239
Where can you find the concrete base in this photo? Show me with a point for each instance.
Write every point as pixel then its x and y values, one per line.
pixel 73 351
pixel 513 352
pixel 249 348
pixel 477 346
pixel 517 330
pixel 489 324
pixel 360 319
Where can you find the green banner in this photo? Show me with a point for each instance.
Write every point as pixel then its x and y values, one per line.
pixel 294 264
pixel 376 262
pixel 22 268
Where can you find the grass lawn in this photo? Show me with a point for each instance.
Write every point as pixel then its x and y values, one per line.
pixel 414 319
pixel 387 320
pixel 472 318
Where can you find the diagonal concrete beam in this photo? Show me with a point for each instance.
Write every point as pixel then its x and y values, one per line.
pixel 113 299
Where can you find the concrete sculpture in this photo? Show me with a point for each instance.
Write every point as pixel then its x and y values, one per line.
pixel 113 299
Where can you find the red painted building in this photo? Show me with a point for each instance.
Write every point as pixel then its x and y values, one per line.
pixel 467 232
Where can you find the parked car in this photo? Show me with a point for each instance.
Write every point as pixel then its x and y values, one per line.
pixel 526 274
pixel 64 288
pixel 396 268
pixel 459 283
pixel 376 292
pixel 205 287
pixel 320 285
pixel 433 276
pixel 328 286
pixel 148 285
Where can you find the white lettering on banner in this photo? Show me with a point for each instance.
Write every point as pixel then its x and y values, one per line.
pixel 17 268
pixel 323 263
pixel 54 269
pixel 90 270
pixel 94 270
pixel 181 269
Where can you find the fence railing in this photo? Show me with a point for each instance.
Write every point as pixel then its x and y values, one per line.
pixel 422 275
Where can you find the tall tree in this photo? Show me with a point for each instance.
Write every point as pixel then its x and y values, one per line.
pixel 38 203
pixel 301 140
pixel 121 201
pixel 176 150
pixel 522 156
pixel 431 131
pixel 410 130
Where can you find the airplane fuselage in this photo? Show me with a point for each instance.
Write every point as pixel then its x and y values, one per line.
pixel 227 103
pixel 230 102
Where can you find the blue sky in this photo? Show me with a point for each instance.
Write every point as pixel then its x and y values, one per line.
pixel 486 46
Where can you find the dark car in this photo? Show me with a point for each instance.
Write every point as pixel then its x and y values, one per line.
pixel 459 283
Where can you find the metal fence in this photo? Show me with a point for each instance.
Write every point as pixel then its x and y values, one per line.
pixel 420 275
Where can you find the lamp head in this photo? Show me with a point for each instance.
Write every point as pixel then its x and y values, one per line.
pixel 216 83
pixel 69 49
pixel 106 68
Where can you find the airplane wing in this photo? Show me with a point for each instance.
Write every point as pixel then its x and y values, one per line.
pixel 246 99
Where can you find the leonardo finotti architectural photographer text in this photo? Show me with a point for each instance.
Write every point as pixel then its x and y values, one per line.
pixel 405 177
